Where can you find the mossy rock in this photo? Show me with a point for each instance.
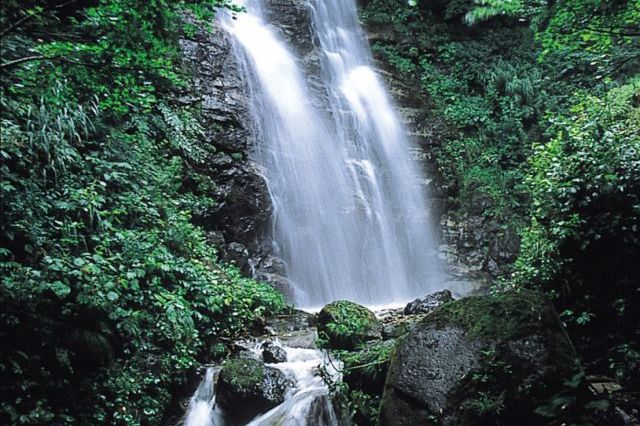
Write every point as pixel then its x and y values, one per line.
pixel 246 388
pixel 346 325
pixel 482 360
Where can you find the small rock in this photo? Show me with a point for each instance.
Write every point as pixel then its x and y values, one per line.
pixel 272 354
pixel 428 303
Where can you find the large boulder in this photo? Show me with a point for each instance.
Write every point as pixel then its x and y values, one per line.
pixel 246 388
pixel 346 325
pixel 481 360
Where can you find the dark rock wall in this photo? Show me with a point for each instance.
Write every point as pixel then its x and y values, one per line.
pixel 239 221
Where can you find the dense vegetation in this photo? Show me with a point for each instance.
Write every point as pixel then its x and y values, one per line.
pixel 110 294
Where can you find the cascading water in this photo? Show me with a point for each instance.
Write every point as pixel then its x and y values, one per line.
pixel 202 402
pixel 350 218
pixel 307 403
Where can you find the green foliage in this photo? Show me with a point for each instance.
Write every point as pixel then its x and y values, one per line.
pixel 364 372
pixel 585 232
pixel 601 38
pixel 487 9
pixel 574 403
pixel 110 294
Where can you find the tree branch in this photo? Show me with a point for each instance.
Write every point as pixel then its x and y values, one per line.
pixel 18 61
pixel 21 60
pixel 31 15
pixel 611 32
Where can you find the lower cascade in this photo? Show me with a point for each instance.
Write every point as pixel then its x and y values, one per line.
pixel 306 401
pixel 350 213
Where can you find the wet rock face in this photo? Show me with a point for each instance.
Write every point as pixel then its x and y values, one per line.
pixel 296 330
pixel 238 220
pixel 293 19
pixel 246 388
pixel 473 245
pixel 217 89
pixel 480 360
pixel 428 303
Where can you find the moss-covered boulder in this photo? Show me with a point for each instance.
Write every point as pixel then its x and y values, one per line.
pixel 246 388
pixel 481 360
pixel 346 325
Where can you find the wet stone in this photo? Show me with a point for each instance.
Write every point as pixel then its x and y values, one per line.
pixel 272 354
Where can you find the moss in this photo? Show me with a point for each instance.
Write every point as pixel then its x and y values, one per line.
pixel 246 388
pixel 244 373
pixel 502 316
pixel 346 325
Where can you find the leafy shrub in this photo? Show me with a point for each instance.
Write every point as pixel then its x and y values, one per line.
pixel 584 237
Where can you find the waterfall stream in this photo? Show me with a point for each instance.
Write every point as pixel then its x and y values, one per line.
pixel 350 216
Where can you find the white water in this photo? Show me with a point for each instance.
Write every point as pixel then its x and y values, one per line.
pixel 307 403
pixel 200 411
pixel 350 218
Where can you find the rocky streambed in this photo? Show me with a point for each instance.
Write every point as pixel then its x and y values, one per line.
pixel 481 360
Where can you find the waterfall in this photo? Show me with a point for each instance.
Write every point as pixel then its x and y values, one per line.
pixel 350 216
